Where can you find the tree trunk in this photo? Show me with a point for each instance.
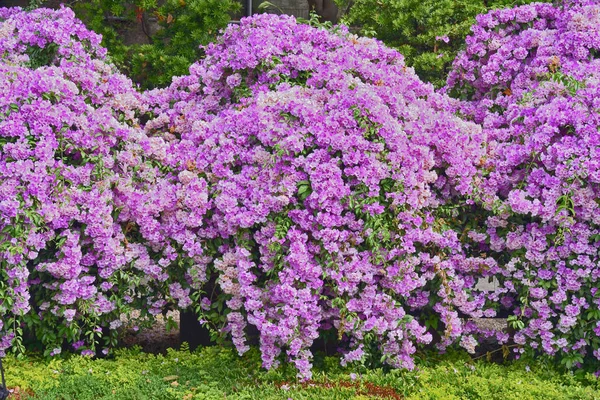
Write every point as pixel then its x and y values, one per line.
pixel 191 331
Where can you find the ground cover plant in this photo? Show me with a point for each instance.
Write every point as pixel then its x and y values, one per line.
pixel 218 373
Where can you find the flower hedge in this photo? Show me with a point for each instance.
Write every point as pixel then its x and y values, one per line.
pixel 300 183
pixel 73 162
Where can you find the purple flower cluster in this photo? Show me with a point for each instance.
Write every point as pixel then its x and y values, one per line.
pixel 531 77
pixel 325 164
pixel 63 39
pixel 74 163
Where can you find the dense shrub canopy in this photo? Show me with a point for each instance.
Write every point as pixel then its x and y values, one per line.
pixel 326 161
pixel 73 157
pixel 531 78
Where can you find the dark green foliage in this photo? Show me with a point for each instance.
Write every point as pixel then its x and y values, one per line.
pixel 95 13
pixel 41 56
pixel 412 27
pixel 185 25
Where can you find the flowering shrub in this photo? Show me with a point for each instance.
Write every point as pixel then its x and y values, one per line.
pixel 530 76
pixel 73 162
pixel 47 37
pixel 328 169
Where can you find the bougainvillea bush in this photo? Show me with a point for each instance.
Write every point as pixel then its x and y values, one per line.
pixel 530 75
pixel 329 169
pixel 72 163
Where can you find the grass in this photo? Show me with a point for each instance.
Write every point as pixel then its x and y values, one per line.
pixel 214 373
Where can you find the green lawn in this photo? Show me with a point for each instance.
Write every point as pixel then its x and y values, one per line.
pixel 213 373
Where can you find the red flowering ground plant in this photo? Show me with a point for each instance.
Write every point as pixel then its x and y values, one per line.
pixel 329 169
pixel 530 76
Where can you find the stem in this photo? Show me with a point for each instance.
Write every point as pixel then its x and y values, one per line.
pixel 495 351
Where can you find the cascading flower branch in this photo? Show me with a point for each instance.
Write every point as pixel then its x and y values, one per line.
pixel 530 76
pixel 328 169
pixel 73 161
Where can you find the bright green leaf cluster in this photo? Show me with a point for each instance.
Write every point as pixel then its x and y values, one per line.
pixel 217 373
pixel 428 33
